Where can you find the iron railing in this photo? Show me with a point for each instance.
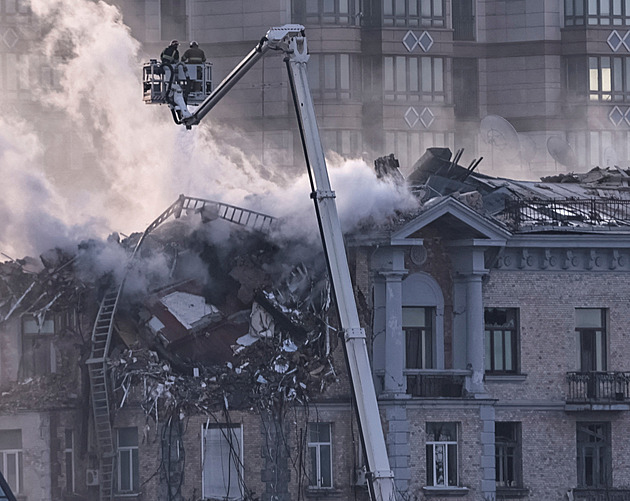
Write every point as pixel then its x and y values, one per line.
pixel 435 385
pixel 522 213
pixel 601 494
pixel 608 387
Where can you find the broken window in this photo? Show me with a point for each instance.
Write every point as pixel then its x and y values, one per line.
pixel 442 454
pixel 413 13
pixel 68 453
pixel 320 455
pixel 508 454
pixel 11 458
pixel 594 461
pixel 419 335
pixel 501 340
pixel 38 355
pixel 222 449
pixel 128 462
pixel 590 326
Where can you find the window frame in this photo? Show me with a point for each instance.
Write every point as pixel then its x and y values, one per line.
pixel 507 448
pixel 600 345
pixel 16 480
pixel 37 360
pixel 414 13
pixel 131 451
pixel 405 78
pixel 450 449
pixel 580 13
pixel 604 454
pixel 317 446
pixel 492 331
pixel 426 333
pixel 235 431
pixel 343 13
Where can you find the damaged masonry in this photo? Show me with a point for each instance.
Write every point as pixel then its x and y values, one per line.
pixel 201 358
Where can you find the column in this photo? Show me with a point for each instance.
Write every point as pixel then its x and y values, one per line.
pixel 395 382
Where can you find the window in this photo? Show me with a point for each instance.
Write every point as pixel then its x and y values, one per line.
pixel 222 458
pixel 68 453
pixel 508 454
pixel 501 340
pixel 590 326
pixel 320 455
pixel 418 329
pixel 609 78
pixel 594 461
pixel 463 20
pixel 128 463
pixel 411 78
pixel 413 13
pixel 331 76
pixel 346 143
pixel 11 458
pixel 442 454
pixel 465 87
pixel 596 12
pixel 173 19
pixel 8 8
pixel 38 356
pixel 326 11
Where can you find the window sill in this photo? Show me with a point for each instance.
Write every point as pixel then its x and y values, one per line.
pixel 445 491
pixel 322 492
pixel 512 492
pixel 505 378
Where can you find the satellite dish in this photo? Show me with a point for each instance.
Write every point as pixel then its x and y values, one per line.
pixel 500 135
pixel 528 148
pixel 561 151
pixel 610 157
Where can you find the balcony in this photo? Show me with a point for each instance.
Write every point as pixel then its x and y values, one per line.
pixel 436 383
pixel 598 391
pixel 602 494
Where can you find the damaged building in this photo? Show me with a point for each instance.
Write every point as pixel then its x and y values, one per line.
pixel 193 368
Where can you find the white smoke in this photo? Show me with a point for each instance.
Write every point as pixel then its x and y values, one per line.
pixel 135 160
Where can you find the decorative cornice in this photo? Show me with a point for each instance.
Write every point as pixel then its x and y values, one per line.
pixel 557 259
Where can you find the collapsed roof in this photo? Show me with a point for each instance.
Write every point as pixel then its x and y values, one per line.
pixel 598 199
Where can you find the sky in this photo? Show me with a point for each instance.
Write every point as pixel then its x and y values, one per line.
pixel 134 160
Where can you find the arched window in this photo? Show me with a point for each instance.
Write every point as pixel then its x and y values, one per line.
pixel 423 322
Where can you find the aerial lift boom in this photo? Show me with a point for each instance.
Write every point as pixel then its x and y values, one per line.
pixel 291 42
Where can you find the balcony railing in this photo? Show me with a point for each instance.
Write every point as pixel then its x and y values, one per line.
pixel 603 494
pixel 599 387
pixel 435 384
pixel 521 213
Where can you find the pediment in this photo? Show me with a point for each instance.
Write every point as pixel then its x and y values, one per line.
pixel 453 221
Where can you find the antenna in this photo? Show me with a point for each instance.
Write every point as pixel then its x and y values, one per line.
pixel 500 135
pixel 561 152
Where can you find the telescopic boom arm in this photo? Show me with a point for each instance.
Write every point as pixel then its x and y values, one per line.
pixel 291 41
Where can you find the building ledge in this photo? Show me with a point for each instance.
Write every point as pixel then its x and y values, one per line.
pixel 589 406
pixel 445 491
pixel 505 378
pixel 315 493
pixel 512 492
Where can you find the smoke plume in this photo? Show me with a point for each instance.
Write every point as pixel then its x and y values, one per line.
pixel 124 162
